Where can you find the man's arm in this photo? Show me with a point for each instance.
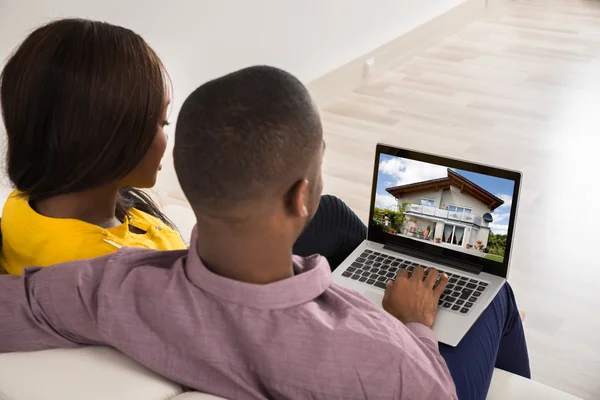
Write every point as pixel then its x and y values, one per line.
pixel 425 368
pixel 37 308
pixel 413 300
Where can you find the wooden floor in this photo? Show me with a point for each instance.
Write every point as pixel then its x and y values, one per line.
pixel 520 88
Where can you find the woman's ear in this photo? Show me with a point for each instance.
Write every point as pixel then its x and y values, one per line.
pixel 298 199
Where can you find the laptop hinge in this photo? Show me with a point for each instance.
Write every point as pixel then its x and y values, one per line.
pixel 444 260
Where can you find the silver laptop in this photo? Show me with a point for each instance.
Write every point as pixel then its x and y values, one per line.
pixel 433 211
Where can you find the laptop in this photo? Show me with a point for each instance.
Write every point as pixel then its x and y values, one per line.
pixel 434 211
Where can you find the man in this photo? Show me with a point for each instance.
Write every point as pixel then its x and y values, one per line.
pixel 237 315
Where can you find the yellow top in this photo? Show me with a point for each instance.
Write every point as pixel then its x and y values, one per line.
pixel 31 239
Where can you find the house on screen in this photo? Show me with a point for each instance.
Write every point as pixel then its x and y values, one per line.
pixel 452 210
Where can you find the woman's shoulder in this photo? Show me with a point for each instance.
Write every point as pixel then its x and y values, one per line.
pixel 15 202
pixel 31 239
pixel 140 215
pixel 158 235
pixel 27 245
pixel 19 217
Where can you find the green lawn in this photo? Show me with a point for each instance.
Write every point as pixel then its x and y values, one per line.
pixel 494 257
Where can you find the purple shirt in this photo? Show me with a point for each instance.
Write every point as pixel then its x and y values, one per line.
pixel 299 338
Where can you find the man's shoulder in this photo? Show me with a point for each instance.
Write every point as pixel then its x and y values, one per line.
pixel 139 257
pixel 146 265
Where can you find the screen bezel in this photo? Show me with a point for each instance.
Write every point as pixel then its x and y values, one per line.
pixel 489 266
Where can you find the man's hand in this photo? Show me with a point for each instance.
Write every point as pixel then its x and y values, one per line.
pixel 414 299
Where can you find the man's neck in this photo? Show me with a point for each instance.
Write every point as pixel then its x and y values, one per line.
pixel 96 206
pixel 259 256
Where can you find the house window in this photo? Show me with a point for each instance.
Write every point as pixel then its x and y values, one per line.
pixel 453 235
pixel 459 209
pixel 426 202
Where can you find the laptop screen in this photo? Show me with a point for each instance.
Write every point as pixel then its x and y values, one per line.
pixel 444 207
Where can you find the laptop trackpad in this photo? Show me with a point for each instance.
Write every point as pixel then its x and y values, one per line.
pixel 375 297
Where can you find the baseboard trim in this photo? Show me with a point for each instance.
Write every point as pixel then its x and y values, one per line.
pixel 351 75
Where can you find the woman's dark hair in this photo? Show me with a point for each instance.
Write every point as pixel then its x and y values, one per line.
pixel 131 197
pixel 82 102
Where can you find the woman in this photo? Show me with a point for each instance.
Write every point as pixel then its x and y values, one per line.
pixel 84 106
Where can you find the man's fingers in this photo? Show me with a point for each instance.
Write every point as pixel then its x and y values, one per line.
pixel 402 273
pixel 418 273
pixel 389 285
pixel 389 288
pixel 441 286
pixel 432 275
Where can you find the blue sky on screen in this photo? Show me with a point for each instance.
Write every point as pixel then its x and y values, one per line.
pixel 396 171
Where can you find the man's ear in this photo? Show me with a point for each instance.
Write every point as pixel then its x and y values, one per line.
pixel 298 198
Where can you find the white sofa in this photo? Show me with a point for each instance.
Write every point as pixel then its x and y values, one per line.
pixel 99 373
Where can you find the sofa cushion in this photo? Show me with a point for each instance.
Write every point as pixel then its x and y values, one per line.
pixel 510 386
pixel 91 373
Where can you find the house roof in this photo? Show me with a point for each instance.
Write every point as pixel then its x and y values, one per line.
pixel 453 179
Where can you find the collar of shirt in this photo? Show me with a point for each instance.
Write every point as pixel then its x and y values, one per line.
pixel 312 277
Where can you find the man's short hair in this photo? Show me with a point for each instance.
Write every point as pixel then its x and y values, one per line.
pixel 244 136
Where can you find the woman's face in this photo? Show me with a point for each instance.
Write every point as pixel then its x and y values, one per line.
pixel 145 174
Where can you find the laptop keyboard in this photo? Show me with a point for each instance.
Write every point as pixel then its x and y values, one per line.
pixel 374 268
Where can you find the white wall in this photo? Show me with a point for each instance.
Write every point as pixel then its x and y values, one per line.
pixel 455 197
pixel 415 198
pixel 202 39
